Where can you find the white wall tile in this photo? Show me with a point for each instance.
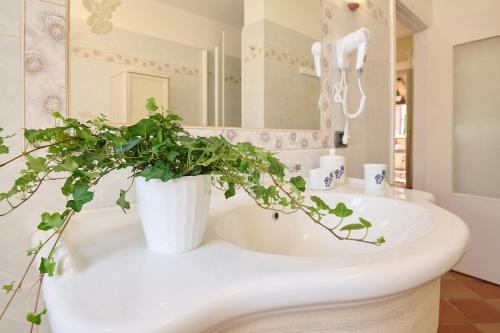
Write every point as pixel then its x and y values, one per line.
pixel 10 17
pixel 10 90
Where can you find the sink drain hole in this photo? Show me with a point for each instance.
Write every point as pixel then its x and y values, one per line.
pixel 275 216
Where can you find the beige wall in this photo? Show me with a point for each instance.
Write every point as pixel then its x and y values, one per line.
pixel 298 15
pixel 456 22
pixel 404 53
pixel 423 9
pixel 159 20
pixel 371 132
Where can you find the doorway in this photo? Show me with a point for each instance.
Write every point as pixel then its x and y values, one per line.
pixel 403 106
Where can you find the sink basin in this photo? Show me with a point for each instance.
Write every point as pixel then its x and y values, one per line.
pixel 261 230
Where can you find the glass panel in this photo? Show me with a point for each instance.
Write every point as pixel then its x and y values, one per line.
pixel 476 118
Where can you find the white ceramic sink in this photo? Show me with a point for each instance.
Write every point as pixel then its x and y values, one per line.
pixel 261 230
pixel 253 274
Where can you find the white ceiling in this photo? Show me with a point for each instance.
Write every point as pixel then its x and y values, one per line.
pixel 225 11
pixel 402 30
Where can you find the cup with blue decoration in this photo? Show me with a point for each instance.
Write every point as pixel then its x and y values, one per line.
pixel 375 175
pixel 320 179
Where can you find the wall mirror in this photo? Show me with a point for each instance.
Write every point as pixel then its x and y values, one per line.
pixel 217 63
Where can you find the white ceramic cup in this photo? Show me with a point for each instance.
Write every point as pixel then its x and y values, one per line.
pixel 375 176
pixel 320 179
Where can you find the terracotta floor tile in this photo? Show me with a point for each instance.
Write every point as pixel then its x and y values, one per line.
pixel 494 303
pixel 449 315
pixel 489 328
pixel 448 276
pixel 461 276
pixel 456 289
pixel 461 328
pixel 484 289
pixel 477 311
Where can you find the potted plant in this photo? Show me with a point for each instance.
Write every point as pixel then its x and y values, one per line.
pixel 173 171
pixel 174 213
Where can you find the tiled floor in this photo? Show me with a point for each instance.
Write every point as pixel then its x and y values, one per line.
pixel 468 305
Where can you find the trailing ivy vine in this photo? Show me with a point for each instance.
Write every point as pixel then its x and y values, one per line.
pixel 156 147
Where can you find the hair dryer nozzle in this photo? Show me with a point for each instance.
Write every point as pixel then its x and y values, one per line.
pixel 357 40
pixel 316 52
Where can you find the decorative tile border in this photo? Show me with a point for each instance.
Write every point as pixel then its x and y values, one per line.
pixel 44 65
pixel 48 91
pixel 278 56
pixel 132 61
pixel 117 58
pixel 232 79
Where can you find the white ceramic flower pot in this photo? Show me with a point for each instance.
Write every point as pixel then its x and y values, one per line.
pixel 174 214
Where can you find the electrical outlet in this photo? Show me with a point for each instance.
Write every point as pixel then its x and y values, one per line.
pixel 337 139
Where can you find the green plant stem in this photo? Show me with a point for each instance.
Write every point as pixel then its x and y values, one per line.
pixel 156 147
pixel 266 207
pixel 317 221
pixel 59 234
pixel 338 224
pixel 21 281
pixel 37 300
pixel 32 151
pixel 13 207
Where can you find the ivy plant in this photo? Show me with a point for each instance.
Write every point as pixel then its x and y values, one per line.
pixel 157 147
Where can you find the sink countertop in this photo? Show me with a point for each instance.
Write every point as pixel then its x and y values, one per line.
pixel 120 286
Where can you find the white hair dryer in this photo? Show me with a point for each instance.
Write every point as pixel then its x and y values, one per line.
pixel 355 41
pixel 316 53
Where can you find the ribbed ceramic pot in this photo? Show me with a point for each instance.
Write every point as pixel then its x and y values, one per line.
pixel 174 214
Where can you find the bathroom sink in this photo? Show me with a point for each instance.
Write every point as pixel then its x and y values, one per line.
pixel 249 227
pixel 259 272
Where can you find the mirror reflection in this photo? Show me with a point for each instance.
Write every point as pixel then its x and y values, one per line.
pixel 222 63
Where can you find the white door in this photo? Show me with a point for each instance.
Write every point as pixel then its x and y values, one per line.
pixel 457 127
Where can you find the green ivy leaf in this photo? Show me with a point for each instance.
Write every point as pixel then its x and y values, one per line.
pixel 35 318
pixel 51 221
pixel 35 163
pixel 299 183
pixel 158 171
pixel 57 115
pixel 47 266
pixel 129 145
pixel 143 128
pixel 4 149
pixel 122 202
pixel 341 210
pixel 319 202
pixel 68 165
pixel 276 167
pixel 8 287
pixel 86 135
pixel 350 227
pixel 68 186
pixel 34 250
pixel 81 195
pixel 230 192
pixel 151 104
pixel 364 222
pixel 381 240
pixel 272 191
